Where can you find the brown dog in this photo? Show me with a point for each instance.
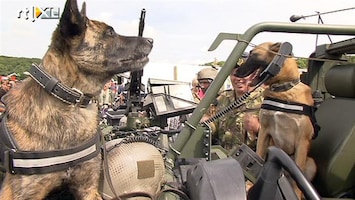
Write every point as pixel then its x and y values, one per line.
pixel 51 112
pixel 291 132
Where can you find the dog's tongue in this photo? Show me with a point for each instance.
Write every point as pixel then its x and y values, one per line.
pixel 255 74
pixel 253 78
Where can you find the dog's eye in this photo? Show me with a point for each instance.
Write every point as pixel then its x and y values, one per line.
pixel 110 32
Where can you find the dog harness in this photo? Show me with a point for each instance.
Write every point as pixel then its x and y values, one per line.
pixel 59 90
pixel 292 107
pixel 16 161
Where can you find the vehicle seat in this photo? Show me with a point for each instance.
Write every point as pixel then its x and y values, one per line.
pixel 334 148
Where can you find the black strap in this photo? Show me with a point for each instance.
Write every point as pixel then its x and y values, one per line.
pixel 7 143
pixel 21 162
pixel 285 106
pixel 275 65
pixel 59 90
pixel 15 161
pixel 282 87
pixel 293 107
pixel 6 138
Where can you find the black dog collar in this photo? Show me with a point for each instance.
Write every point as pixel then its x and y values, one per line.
pixel 59 90
pixel 282 87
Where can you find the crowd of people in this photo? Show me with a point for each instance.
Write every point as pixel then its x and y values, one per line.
pixel 111 95
pixel 6 85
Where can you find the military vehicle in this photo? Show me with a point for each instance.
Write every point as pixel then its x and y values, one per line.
pixel 196 169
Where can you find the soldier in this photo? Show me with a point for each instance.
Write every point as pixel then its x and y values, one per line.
pixel 240 125
pixel 195 90
pixel 205 77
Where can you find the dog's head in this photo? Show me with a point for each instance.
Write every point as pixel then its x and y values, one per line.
pixel 94 47
pixel 259 59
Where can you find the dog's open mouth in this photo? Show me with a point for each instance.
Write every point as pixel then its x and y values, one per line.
pixel 252 69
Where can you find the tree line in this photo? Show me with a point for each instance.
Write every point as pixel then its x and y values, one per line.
pixel 18 65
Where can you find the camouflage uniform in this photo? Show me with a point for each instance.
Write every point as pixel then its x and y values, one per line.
pixel 228 129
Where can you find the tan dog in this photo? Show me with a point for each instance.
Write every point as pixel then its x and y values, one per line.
pixel 51 112
pixel 291 132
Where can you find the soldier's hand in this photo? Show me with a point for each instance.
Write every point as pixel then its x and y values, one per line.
pixel 251 123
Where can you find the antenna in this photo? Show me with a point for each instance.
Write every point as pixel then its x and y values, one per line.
pixel 295 18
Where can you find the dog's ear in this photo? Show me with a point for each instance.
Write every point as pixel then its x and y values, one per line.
pixel 275 47
pixel 83 10
pixel 72 23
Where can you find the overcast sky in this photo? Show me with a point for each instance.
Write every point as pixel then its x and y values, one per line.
pixel 182 29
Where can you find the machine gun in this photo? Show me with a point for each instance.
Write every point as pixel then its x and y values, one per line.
pixel 134 102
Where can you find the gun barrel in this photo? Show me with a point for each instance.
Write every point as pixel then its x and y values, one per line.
pixel 141 23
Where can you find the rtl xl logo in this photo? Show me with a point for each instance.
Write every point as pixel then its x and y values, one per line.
pixel 39 13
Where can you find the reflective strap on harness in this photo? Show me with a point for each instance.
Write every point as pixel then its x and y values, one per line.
pixel 35 162
pixel 278 105
pixel 292 107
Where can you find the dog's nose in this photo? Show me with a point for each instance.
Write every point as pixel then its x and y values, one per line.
pixel 150 40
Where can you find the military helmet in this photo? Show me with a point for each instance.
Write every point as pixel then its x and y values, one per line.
pixel 207 73
pixel 134 167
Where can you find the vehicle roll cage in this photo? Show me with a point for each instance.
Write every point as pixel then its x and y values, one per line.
pixel 243 42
